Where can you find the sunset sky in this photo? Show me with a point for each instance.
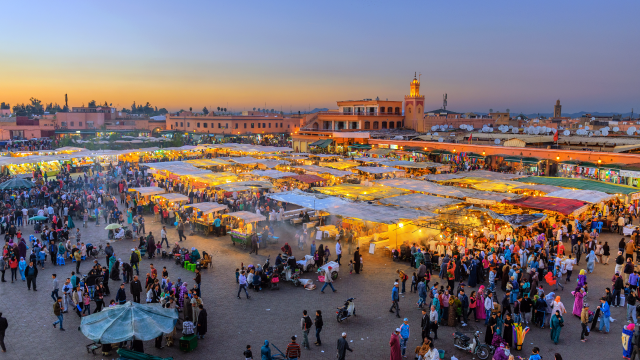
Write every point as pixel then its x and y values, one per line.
pixel 300 54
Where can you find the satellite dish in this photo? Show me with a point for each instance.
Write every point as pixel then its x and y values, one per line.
pixel 566 133
pixel 579 126
pixel 597 133
pixel 440 140
pixel 435 134
pixel 605 132
pixel 591 134
pixel 586 127
pixel 504 130
pixel 496 141
pixel 616 129
pixel 515 130
pixel 463 126
pixel 593 118
pixel 631 130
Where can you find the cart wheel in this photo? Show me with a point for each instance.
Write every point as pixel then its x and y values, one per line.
pixel 334 275
pixel 244 246
pixel 296 283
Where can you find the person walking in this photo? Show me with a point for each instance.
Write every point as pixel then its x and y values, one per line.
pixel 254 244
pixel 584 322
pixel 77 256
pixel 557 322
pixel 31 273
pixel 631 301
pixel 134 260
pixel 425 325
pixel 394 344
pixel 395 298
pixel 328 280
pixel 57 311
pixel 343 346
pixel 163 236
pixel 433 318
pixel 3 328
pixel 305 324
pixel 605 312
pixel 338 251
pixel 318 323
pixel 404 336
pixel 242 284
pixel 121 295
pixel 136 289
pixel 202 322
pixel 356 260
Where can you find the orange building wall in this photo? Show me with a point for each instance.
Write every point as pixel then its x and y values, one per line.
pixel 227 124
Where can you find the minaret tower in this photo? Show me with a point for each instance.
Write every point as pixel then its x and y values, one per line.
pixel 414 107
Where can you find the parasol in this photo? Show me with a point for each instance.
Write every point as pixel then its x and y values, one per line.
pixel 113 226
pixel 129 321
pixel 16 184
pixel 39 218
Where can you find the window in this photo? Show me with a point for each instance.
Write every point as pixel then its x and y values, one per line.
pixel 366 125
pixel 375 125
pixel 269 125
pixel 188 124
pixel 80 123
pixel 399 125
pixel 280 125
pixel 391 125
pixel 72 123
pixel 197 125
pixel 204 125
pixel 226 125
pixel 176 124
pixel 288 126
pixel 381 109
pixel 181 124
pixel 397 110
pixel 172 127
pixel 219 125
pixel 63 123
pixel 252 125
pixel 236 125
pixel 258 126
pixel 384 124
pixel 245 125
pixel 263 125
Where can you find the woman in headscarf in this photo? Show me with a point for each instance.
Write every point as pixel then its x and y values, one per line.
pixel 473 273
pixel 557 322
pixel 505 277
pixel 436 303
pixel 394 344
pixel 591 261
pixel 129 216
pixel 534 283
pixel 320 255
pixel 582 278
pixel 22 265
pixel 579 301
pixel 112 261
pixel 508 330
pixel 558 306
pixel 22 249
pixel 70 224
pixel 183 291
pixel 491 328
pixel 451 320
pixel 480 310
pixel 115 269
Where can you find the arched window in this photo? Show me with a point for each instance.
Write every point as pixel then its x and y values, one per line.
pixel 391 125
pixel 381 109
pixel 315 126
pixel 384 124
pixel 397 111
pixel 375 125
pixel 399 125
pixel 366 125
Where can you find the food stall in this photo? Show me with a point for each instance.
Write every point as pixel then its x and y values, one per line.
pixel 243 226
pixel 143 195
pixel 203 215
pixel 170 199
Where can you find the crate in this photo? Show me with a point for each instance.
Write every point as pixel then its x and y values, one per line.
pixel 188 343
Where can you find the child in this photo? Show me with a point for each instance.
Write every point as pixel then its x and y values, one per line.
pixel 327 253
pixel 158 248
pixel 414 283
pixel 77 236
pixel 247 353
pixel 237 276
pixel 87 303
pixel 535 354
pixel 350 266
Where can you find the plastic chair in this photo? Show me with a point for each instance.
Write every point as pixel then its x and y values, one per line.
pixel 599 227
pixel 186 265
pixel 60 260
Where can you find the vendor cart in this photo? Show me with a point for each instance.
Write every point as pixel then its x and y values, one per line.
pixel 248 226
pixel 240 238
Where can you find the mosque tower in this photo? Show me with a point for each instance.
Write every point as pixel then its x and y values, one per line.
pixel 414 107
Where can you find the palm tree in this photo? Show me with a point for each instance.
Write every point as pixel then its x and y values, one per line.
pixel 218 108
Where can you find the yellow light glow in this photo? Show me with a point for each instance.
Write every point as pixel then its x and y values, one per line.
pixel 401 225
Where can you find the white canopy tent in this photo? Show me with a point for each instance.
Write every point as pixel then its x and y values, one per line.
pixel 208 207
pixel 174 197
pixel 274 174
pixel 307 200
pixel 148 190
pixel 591 196
pixel 248 216
pixel 378 170
pixel 420 201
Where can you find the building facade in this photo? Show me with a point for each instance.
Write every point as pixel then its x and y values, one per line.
pixel 234 124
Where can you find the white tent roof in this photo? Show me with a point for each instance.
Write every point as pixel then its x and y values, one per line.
pixel 248 216
pixel 307 200
pixel 377 170
pixel 149 190
pixel 324 170
pixel 174 197
pixel 423 186
pixel 420 201
pixel 442 177
pixel 209 207
pixel 591 196
pixel 274 174
pixel 376 213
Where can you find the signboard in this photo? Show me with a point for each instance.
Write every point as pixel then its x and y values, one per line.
pixel 629 173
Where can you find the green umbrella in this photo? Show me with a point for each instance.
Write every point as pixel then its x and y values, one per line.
pixel 16 183
pixel 113 226
pixel 39 218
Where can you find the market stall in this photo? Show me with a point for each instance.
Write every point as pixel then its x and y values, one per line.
pixel 243 226
pixel 562 206
pixel 421 202
pixel 203 215
pixel 143 196
pixel 360 192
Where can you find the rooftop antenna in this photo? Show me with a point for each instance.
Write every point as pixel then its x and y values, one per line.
pixel 419 75
pixel 444 102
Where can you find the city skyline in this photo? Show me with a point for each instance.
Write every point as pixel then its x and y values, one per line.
pixel 295 56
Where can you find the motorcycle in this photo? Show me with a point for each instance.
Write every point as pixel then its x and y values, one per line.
pixel 348 309
pixel 463 342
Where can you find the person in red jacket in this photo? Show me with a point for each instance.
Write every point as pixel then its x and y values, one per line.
pixel 13 265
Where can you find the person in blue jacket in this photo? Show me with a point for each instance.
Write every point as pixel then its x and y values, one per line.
pixel 606 314
pixel 395 298
pixel 265 351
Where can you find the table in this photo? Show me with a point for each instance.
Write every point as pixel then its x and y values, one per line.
pixel 329 230
pixel 627 230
